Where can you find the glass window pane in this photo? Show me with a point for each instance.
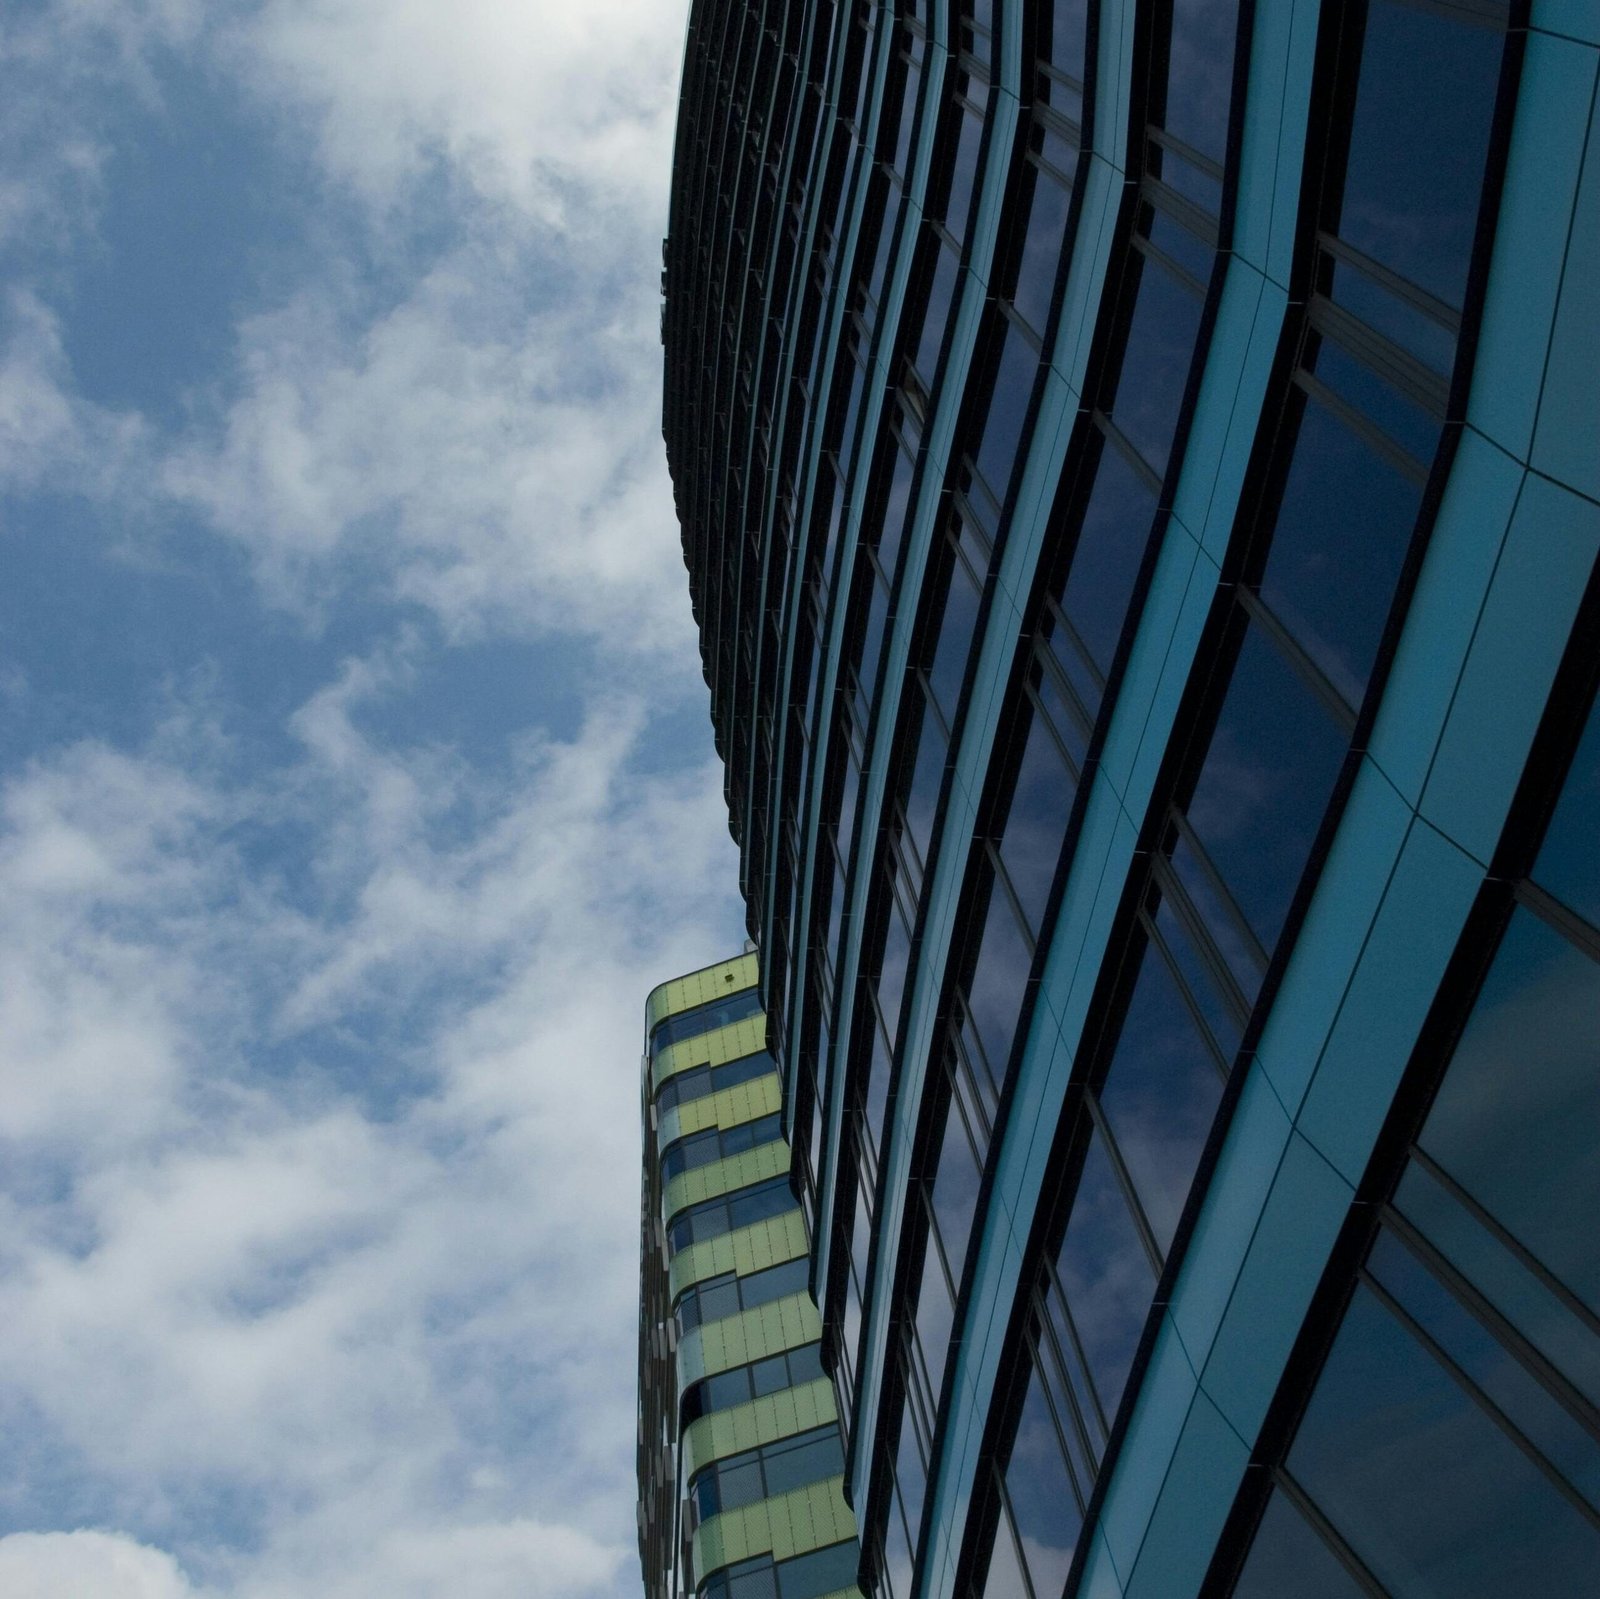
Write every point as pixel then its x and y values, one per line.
pixel 1266 782
pixel 1509 1385
pixel 1434 1498
pixel 1105 561
pixel 1288 1557
pixel 1516 1118
pixel 1042 1500
pixel 1418 143
pixel 955 1189
pixel 1002 432
pixel 1106 1276
pixel 1045 228
pixel 999 981
pixel 1161 1096
pixel 1200 77
pixel 1004 1579
pixel 1036 822
pixel 1569 862
pixel 1342 533
pixel 1155 363
pixel 1526 1301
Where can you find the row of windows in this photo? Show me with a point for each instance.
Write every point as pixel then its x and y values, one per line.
pixel 705 1018
pixel 764 1473
pixel 711 1218
pixel 1293 655
pixel 1451 1443
pixel 712 1144
pixel 728 1294
pixel 739 1386
pixel 809 1576
pixel 688 1086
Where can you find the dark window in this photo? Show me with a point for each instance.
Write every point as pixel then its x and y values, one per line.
pixel 1287 1557
pixel 1569 861
pixel 1042 1501
pixel 704 1080
pixel 1418 143
pixel 1343 529
pixel 1267 779
pixel 1200 73
pixel 1431 1494
pixel 1155 363
pixel 1105 1276
pixel 1161 1095
pixel 705 1018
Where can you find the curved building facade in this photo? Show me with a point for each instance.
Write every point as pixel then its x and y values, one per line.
pixel 740 1459
pixel 1139 478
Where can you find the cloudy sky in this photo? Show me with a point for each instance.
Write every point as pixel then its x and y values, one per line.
pixel 355 785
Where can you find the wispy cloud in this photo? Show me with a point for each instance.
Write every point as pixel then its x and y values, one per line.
pixel 319 1045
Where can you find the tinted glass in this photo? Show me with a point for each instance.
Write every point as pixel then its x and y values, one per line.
pixel 1045 232
pixel 1267 779
pixel 1160 1097
pixel 1004 1579
pixel 705 1018
pixel 1516 1117
pixel 999 980
pixel 955 1189
pixel 1106 1275
pixel 1200 76
pixel 1002 432
pixel 1417 144
pixel 1342 533
pixel 1105 561
pixel 1036 820
pixel 1433 1497
pixel 1287 1557
pixel 1155 363
pixel 1569 862
pixel 1475 1351
pixel 1041 1495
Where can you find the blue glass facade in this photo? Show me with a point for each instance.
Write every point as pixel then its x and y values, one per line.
pixel 1138 467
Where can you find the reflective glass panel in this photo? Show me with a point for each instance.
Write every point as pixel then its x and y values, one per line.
pixel 1041 1495
pixel 1106 1275
pixel 1161 1096
pixel 1569 861
pixel 1434 1498
pixel 1418 143
pixel 1287 1557
pixel 1343 529
pixel 1267 779
pixel 1155 362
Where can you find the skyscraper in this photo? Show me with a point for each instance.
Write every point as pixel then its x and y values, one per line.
pixel 1138 473
pixel 740 1462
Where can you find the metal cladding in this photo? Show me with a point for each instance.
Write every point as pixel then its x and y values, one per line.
pixel 1139 481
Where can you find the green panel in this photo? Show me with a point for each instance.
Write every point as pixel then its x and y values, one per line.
pixel 710 1049
pixel 747 1426
pixel 700 988
pixel 751 1335
pixel 792 1524
pixel 752 1248
pixel 725 1176
pixel 744 1102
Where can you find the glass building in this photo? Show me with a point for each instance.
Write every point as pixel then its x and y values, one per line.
pixel 740 1458
pixel 1139 474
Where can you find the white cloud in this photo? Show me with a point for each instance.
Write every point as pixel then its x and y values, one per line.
pixel 542 107
pixel 87 1565
pixel 495 461
pixel 397 1331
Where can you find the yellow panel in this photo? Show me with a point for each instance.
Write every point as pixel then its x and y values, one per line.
pixel 752 1248
pixel 725 1176
pixel 792 1524
pixel 751 1335
pixel 727 1108
pixel 700 988
pixel 721 1044
pixel 747 1426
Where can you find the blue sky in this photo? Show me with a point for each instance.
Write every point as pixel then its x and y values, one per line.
pixel 355 785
